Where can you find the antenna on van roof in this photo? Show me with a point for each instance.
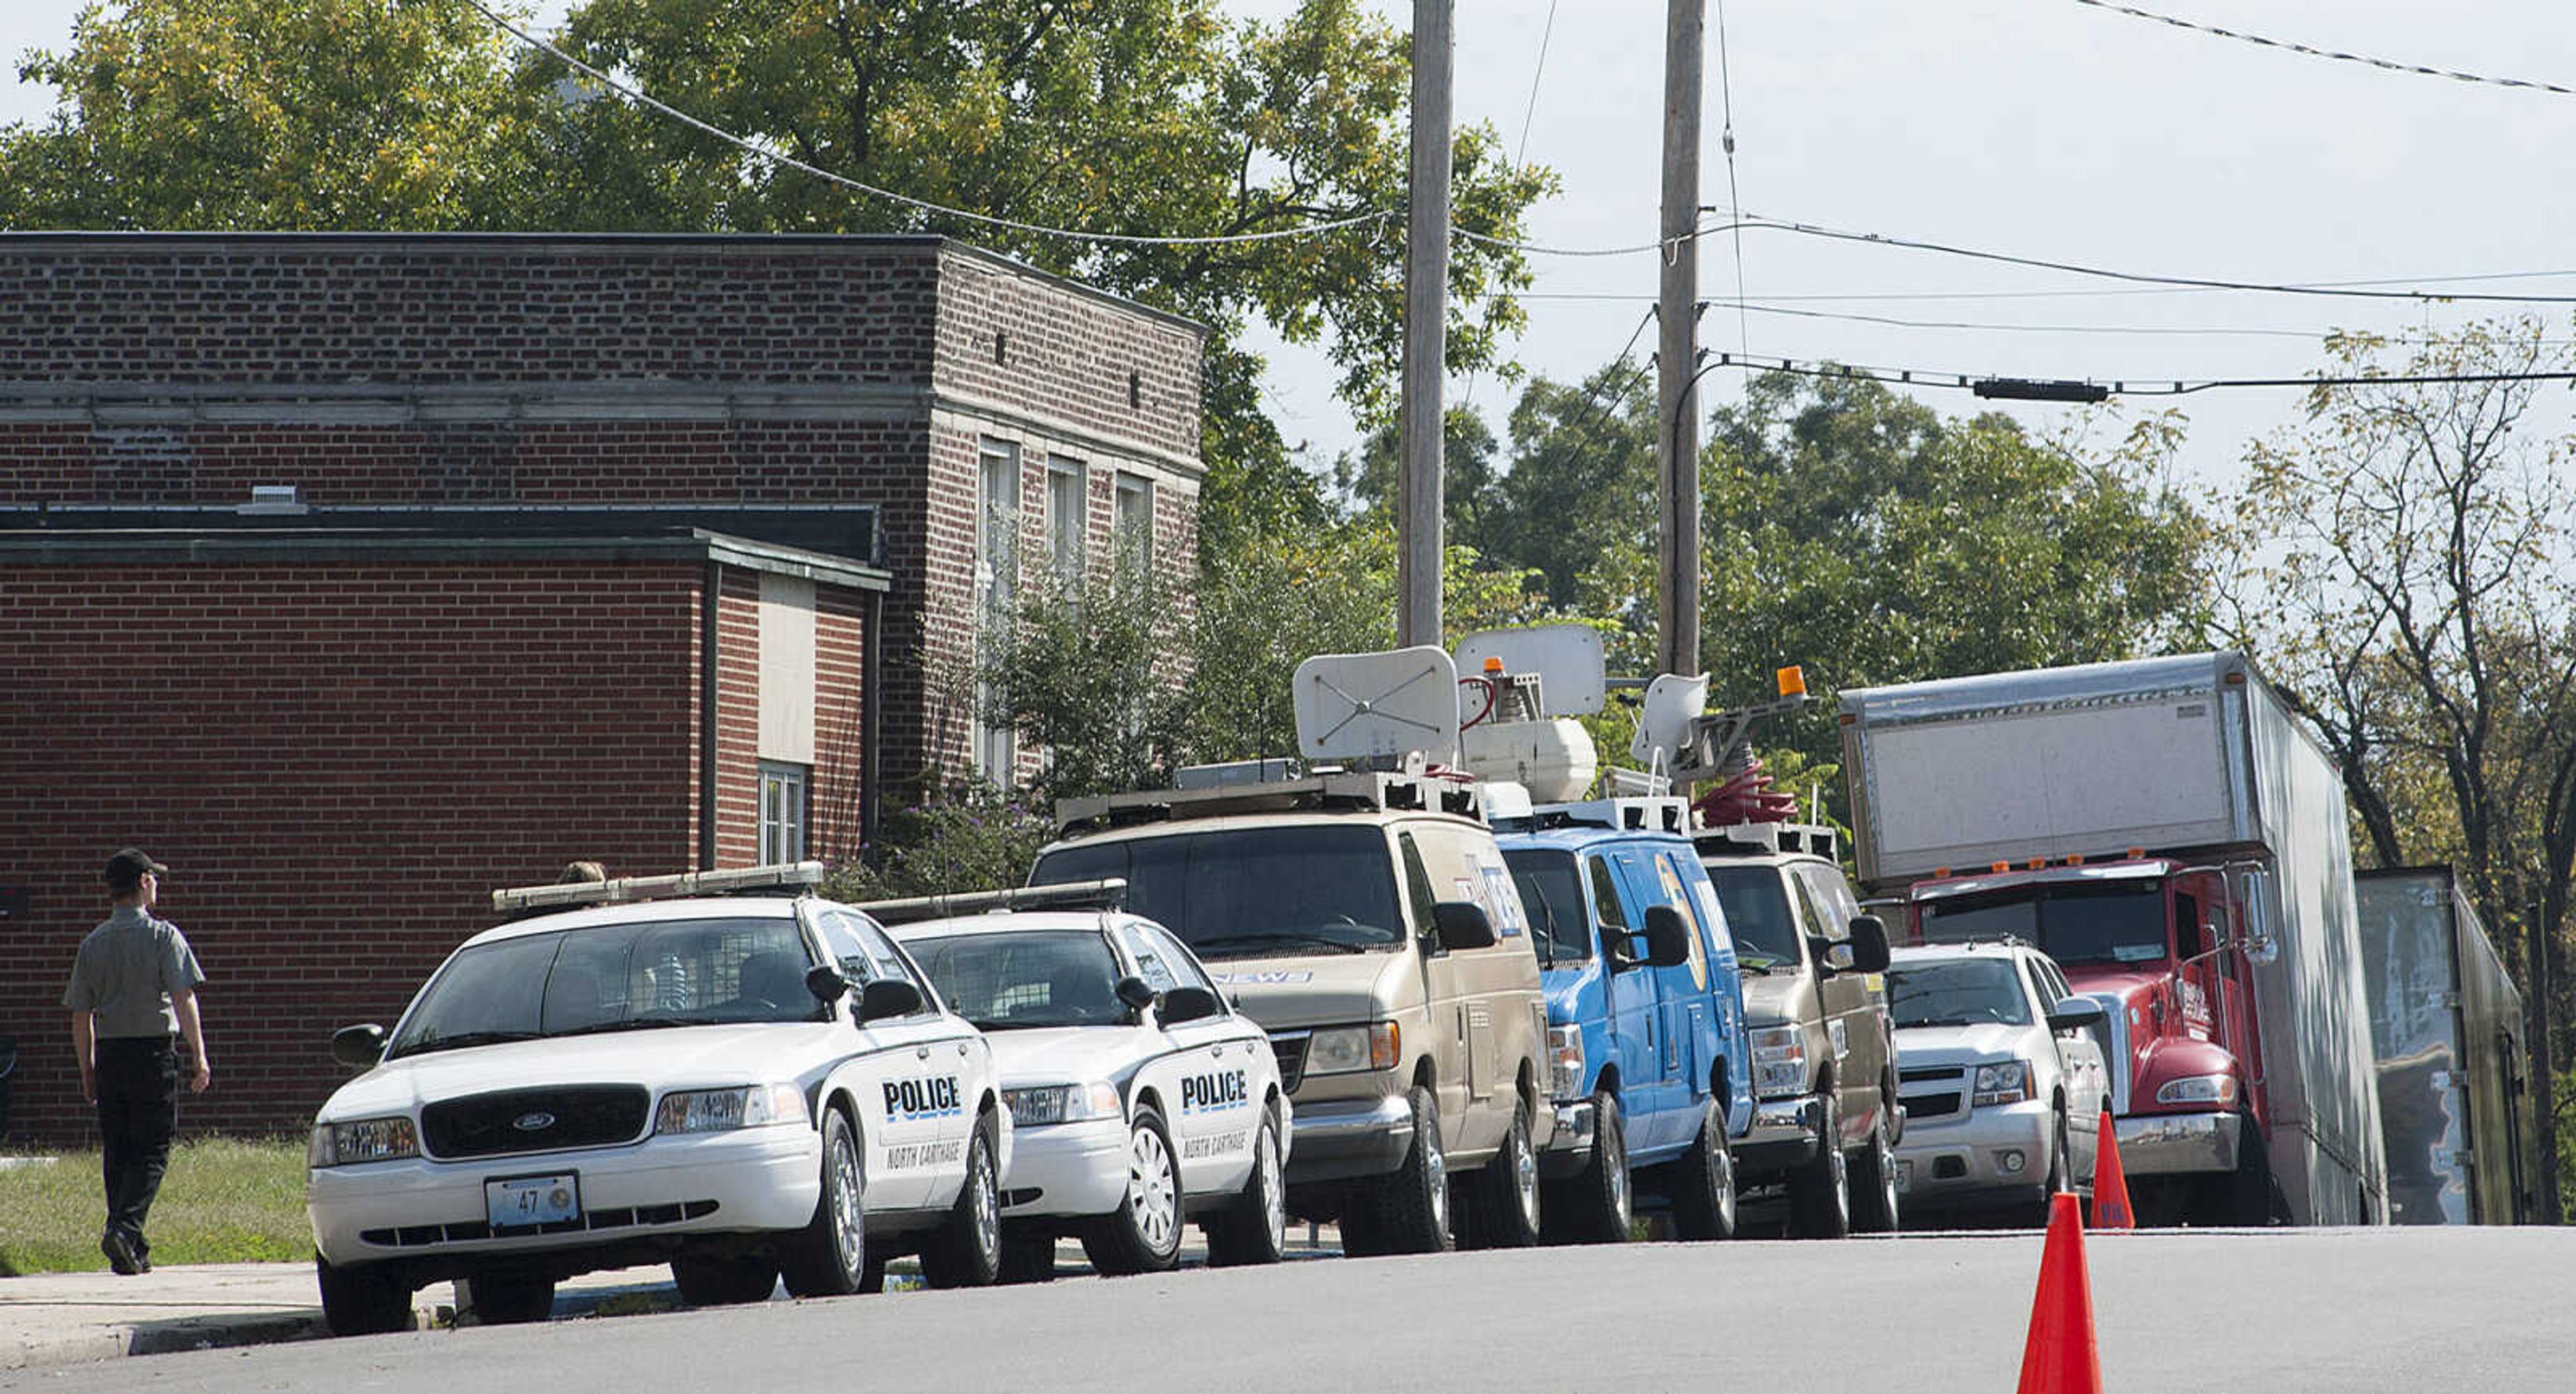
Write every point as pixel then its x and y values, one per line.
pixel 1378 707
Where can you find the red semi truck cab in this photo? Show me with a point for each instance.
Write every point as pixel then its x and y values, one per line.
pixel 2159 943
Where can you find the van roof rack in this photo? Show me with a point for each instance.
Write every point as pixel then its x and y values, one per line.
pixel 1762 839
pixel 1411 789
pixel 1109 893
pixel 797 878
pixel 1660 814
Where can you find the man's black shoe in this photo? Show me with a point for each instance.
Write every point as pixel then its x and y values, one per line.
pixel 120 1253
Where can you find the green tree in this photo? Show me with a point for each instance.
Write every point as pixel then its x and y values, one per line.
pixel 1090 674
pixel 2408 581
pixel 225 114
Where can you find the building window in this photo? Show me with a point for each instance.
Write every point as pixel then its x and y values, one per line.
pixel 1064 515
pixel 1135 523
pixel 783 790
pixel 997 568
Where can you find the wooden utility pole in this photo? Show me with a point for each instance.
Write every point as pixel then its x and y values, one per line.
pixel 1676 356
pixel 1418 518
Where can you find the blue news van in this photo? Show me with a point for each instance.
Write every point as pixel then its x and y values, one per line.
pixel 1651 1069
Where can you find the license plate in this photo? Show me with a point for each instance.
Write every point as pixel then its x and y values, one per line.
pixel 1904 1176
pixel 519 1202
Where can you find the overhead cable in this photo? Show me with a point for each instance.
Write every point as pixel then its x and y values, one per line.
pixel 2125 387
pixel 2391 66
pixel 761 152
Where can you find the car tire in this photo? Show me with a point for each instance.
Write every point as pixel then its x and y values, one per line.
pixel 367 1300
pixel 828 1256
pixel 1412 1205
pixel 724 1282
pixel 1704 1192
pixel 1255 1228
pixel 1597 1204
pixel 1504 1208
pixel 966 1252
pixel 1143 1235
pixel 1820 1189
pixel 1027 1258
pixel 1873 1181
pixel 2057 1179
pixel 505 1297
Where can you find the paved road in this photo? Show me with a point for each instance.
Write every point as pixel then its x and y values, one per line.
pixel 2342 1310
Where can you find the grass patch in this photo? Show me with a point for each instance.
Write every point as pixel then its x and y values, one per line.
pixel 224 1200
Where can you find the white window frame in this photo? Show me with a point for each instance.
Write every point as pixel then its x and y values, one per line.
pixel 1067 509
pixel 1133 537
pixel 998 478
pixel 786 812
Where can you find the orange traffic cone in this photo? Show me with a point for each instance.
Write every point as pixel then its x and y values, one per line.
pixel 2110 1184
pixel 2059 1357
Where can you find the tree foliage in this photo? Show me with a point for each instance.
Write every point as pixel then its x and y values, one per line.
pixel 2409 580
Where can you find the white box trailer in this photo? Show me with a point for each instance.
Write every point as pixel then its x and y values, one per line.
pixel 2186 768
pixel 2446 1023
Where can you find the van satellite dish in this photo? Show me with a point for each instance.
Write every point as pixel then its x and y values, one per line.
pixel 1573 672
pixel 1672 703
pixel 1360 706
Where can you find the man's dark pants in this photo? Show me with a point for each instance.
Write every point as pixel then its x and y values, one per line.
pixel 138 1111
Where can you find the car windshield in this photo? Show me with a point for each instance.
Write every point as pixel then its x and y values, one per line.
pixel 1956 992
pixel 1757 913
pixel 618 977
pixel 1551 886
pixel 1251 892
pixel 2113 922
pixel 1008 981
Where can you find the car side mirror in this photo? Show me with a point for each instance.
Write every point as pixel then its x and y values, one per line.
pixel 887 997
pixel 2076 1014
pixel 1868 944
pixel 1462 924
pixel 1831 955
pixel 1135 992
pixel 1182 1004
pixel 1667 938
pixel 362 1046
pixel 826 982
pixel 2262 950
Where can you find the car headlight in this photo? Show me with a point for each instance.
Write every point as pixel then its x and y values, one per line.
pixel 1341 1050
pixel 723 1110
pixel 2004 1083
pixel 1042 1104
pixel 361 1140
pixel 1779 1062
pixel 2199 1089
pixel 1565 1061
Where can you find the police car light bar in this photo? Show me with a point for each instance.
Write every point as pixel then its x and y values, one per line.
pixel 565 895
pixel 1107 894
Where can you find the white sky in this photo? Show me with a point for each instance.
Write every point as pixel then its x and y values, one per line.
pixel 2042 128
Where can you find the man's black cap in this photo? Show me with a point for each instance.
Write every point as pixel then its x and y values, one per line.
pixel 126 868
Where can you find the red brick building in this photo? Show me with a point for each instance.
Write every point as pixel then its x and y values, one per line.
pixel 354 575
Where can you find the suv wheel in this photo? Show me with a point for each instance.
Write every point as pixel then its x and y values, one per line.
pixel 1255 1230
pixel 829 1255
pixel 1820 1190
pixel 1704 1184
pixel 967 1250
pixel 1596 1205
pixel 1143 1235
pixel 1873 1182
pixel 1413 1204
pixel 362 1301
pixel 1506 1203
pixel 2058 1174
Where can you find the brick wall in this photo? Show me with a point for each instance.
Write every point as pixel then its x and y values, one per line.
pixel 340 763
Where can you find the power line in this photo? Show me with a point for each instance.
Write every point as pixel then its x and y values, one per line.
pixel 761 152
pixel 1734 200
pixel 1520 157
pixel 2130 387
pixel 2394 67
pixel 1766 305
pixel 2144 278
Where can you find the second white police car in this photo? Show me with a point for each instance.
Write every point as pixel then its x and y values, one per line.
pixel 1140 1099
pixel 745 1081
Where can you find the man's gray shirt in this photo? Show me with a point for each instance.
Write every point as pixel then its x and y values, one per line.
pixel 125 972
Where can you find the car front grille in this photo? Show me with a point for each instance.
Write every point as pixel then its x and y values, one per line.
pixel 623 1217
pixel 534 1120
pixel 1291 1050
pixel 1928 1072
pixel 1930 1105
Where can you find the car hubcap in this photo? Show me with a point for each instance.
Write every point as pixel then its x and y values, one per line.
pixel 1152 1199
pixel 1724 1170
pixel 1274 1196
pixel 988 1228
pixel 1435 1170
pixel 848 1230
pixel 1525 1176
pixel 1615 1162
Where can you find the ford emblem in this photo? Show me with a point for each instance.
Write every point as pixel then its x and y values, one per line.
pixel 533 1122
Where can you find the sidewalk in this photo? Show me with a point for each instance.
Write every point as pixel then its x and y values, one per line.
pixel 49 1319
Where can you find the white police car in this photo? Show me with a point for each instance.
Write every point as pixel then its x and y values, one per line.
pixel 746 1082
pixel 1141 1100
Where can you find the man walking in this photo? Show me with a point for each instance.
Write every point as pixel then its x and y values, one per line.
pixel 134 988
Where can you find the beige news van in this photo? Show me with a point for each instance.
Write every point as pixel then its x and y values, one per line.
pixel 1367 920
